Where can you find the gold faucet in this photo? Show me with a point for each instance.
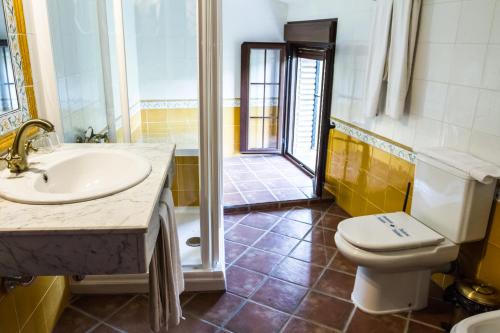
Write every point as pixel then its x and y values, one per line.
pixel 16 157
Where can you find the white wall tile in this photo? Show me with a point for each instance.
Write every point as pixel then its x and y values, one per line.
pixel 467 64
pixel 432 62
pixel 456 137
pixel 439 22
pixel 461 106
pixel 475 21
pixel 491 75
pixel 428 133
pixel 428 99
pixel 495 29
pixel 487 117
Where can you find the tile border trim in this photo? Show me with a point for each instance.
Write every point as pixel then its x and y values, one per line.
pixel 375 141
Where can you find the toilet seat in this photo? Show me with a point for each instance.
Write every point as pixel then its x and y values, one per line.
pixel 400 260
pixel 388 232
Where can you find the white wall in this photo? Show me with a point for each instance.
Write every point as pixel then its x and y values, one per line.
pixel 455 97
pixel 247 21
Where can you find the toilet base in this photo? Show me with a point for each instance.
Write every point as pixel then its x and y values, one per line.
pixel 380 292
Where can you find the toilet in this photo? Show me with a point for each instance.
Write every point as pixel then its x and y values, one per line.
pixel 396 252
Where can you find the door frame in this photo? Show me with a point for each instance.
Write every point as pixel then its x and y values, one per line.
pixel 245 95
pixel 293 50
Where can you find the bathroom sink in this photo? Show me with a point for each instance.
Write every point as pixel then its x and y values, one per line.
pixel 74 176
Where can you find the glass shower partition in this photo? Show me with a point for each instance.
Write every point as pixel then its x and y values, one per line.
pixel 131 69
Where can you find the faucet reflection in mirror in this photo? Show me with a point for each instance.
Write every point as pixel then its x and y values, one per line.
pixel 16 157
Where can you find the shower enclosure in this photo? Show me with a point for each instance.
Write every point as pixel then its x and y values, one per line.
pixel 147 71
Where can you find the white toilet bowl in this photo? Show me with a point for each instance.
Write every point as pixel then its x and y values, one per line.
pixel 395 255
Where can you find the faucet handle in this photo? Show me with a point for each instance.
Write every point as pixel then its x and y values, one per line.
pixel 28 147
pixel 9 159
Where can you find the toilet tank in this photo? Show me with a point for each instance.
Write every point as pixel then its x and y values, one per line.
pixel 449 201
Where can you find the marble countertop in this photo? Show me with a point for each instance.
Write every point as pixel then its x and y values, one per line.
pixel 128 211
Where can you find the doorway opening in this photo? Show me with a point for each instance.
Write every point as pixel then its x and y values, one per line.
pixel 285 106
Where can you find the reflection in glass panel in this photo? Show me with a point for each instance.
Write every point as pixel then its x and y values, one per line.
pixel 256 100
pixel 273 66
pixel 255 133
pixel 8 94
pixel 270 133
pixel 272 101
pixel 257 65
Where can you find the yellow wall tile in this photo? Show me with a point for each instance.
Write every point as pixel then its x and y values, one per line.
pixel 489 270
pixel 494 232
pixel 394 200
pixel 8 317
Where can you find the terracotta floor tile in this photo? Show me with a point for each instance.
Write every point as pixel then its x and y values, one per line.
pixel 233 251
pixel 186 296
pixel 101 306
pixel 259 196
pixel 301 326
pixel 334 209
pixel 364 322
pixel 316 254
pixel 330 221
pixel 437 313
pixel 280 295
pixel 292 228
pixel 278 183
pixel 259 220
pixel 285 194
pixel 214 307
pixel 254 318
pixel 134 317
pixel 74 321
pixel 421 328
pixel 103 328
pixel 277 212
pixel 343 264
pixel 306 215
pixel 228 225
pixel 300 180
pixel 325 310
pixel 259 261
pixel 234 217
pixel 322 206
pixel 233 199
pixel 336 284
pixel 229 187
pixel 298 272
pixel 241 281
pixel 254 185
pixel 192 325
pixel 264 175
pixel 320 236
pixel 243 234
pixel 277 243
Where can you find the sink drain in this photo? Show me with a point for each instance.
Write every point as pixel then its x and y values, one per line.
pixel 193 241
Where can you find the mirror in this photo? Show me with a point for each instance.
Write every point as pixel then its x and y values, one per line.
pixel 8 93
pixel 17 91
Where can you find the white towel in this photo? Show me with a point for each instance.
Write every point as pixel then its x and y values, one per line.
pixel 478 169
pixel 391 55
pixel 166 281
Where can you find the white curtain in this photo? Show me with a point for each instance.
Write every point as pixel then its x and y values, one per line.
pixel 390 59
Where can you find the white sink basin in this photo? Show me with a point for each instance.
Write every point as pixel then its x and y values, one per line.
pixel 74 176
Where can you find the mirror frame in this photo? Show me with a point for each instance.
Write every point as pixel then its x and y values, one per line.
pixel 21 65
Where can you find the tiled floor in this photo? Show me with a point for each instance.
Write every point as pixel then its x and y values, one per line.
pixel 251 179
pixel 283 275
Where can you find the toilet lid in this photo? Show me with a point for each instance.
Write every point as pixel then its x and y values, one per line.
pixel 388 232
